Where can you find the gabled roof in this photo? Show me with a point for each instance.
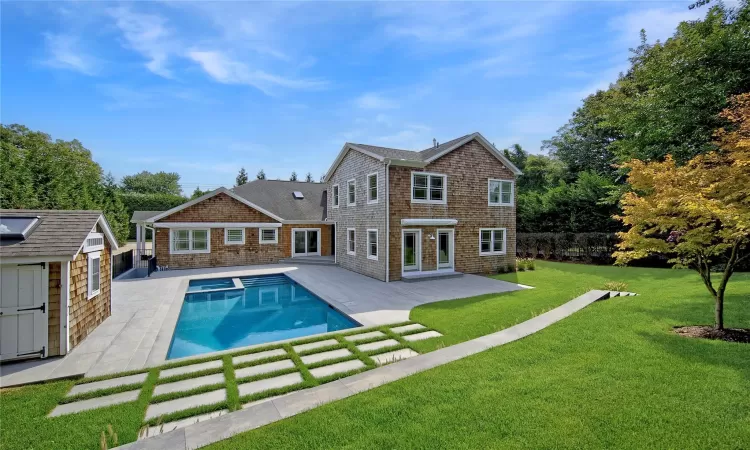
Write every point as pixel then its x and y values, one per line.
pixel 278 197
pixel 221 190
pixel 59 233
pixel 142 216
pixel 419 158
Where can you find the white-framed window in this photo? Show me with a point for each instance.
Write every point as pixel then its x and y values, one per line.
pixel 268 235
pixel 372 244
pixel 351 239
pixel 351 192
pixel 372 188
pixel 94 270
pixel 234 236
pixel 335 194
pixel 429 188
pixel 492 241
pixel 500 192
pixel 183 240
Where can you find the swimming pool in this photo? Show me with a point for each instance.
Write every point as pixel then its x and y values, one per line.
pixel 269 308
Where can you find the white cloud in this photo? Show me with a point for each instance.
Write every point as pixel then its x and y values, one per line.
pixel 148 35
pixel 121 97
pixel 65 52
pixel 413 136
pixel 372 100
pixel 659 23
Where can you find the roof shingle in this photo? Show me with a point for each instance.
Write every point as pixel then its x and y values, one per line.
pixel 59 233
pixel 277 197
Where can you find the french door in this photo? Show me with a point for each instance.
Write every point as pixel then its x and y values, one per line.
pixel 445 249
pixel 305 241
pixel 411 250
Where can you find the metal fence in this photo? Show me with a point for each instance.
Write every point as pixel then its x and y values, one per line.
pixel 121 263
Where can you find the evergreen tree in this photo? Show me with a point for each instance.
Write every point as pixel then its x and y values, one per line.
pixel 241 178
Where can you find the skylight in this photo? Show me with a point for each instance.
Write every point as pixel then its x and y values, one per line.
pixel 298 195
pixel 17 227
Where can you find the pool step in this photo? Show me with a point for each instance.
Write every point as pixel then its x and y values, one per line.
pixel 314 260
pixel 264 281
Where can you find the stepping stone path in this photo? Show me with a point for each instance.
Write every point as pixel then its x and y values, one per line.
pixel 389 357
pixel 191 368
pixel 410 327
pixel 325 356
pixel 341 367
pixel 169 426
pixel 313 345
pixel 106 384
pixel 258 356
pixel 377 345
pixel 254 387
pixel 422 336
pixel 179 404
pixel 189 384
pixel 98 402
pixel 263 368
pixel 363 336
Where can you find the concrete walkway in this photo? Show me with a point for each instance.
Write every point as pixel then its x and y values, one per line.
pixel 145 311
pixel 213 430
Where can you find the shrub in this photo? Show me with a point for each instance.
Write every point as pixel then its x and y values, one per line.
pixel 615 286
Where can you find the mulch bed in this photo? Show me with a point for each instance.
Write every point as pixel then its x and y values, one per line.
pixel 741 335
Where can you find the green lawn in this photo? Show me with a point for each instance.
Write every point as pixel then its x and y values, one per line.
pixel 612 375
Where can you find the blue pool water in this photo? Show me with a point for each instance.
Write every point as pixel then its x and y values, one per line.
pixel 270 308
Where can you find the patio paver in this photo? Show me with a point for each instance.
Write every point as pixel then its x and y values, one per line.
pixel 106 384
pixel 325 356
pixel 258 356
pixel 363 336
pixel 333 369
pixel 98 402
pixel 378 345
pixel 314 345
pixel 422 336
pixel 191 368
pixel 263 368
pixel 410 327
pixel 180 404
pixel 254 387
pixel 189 384
pixel 389 357
pixel 169 426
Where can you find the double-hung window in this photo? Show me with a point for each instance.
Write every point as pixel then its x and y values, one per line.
pixel 372 188
pixel 500 192
pixel 351 235
pixel 372 244
pixel 335 195
pixel 269 236
pixel 234 236
pixel 429 188
pixel 492 241
pixel 189 241
pixel 351 192
pixel 94 273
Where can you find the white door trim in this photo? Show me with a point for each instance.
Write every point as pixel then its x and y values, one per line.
pixel 452 243
pixel 418 249
pixel 294 230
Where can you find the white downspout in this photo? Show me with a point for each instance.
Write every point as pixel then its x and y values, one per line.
pixel 387 222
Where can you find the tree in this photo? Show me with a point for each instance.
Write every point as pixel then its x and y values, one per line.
pixel 146 182
pixel 697 213
pixel 517 155
pixel 198 193
pixel 241 178
pixel 309 177
pixel 293 177
pixel 261 175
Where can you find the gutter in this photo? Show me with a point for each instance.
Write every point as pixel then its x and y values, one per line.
pixel 387 221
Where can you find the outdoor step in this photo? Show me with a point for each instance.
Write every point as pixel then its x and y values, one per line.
pixel 324 356
pixel 389 357
pixel 263 368
pixel 180 404
pixel 258 356
pixel 333 369
pixel 410 327
pixel 426 276
pixel 378 345
pixel 255 387
pixel 422 336
pixel 314 345
pixel 93 403
pixel 106 384
pixel 363 336
pixel 312 261
pixel 182 423
pixel 191 368
pixel 189 384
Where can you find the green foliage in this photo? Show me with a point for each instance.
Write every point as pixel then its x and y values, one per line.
pixel 584 247
pixel 152 183
pixel 241 178
pixel 293 176
pixel 309 177
pixel 261 175
pixel 147 202
pixel 197 192
pixel 39 173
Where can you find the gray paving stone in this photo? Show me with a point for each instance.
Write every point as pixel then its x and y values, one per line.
pixel 182 423
pixel 410 327
pixel 389 357
pixel 189 384
pixel 106 384
pixel 363 336
pixel 98 402
pixel 179 404
pixel 191 368
pixel 377 345
pixel 312 345
pixel 256 356
pixel 269 383
pixel 422 336
pixel 209 431
pixel 263 368
pixel 267 399
pixel 324 356
pixel 337 368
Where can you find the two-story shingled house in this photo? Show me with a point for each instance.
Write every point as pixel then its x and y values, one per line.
pixel 386 213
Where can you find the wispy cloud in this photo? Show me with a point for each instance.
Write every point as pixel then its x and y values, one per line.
pixel 121 97
pixel 65 52
pixel 372 100
pixel 659 23
pixel 148 35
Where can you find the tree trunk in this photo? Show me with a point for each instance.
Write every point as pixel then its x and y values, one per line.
pixel 719 311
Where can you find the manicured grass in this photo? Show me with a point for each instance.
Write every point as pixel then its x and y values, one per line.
pixel 611 375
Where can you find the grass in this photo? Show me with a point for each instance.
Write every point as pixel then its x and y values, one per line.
pixel 611 375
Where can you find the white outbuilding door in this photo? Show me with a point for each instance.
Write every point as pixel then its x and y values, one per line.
pixel 23 311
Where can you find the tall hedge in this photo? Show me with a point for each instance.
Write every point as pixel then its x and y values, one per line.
pixel 148 202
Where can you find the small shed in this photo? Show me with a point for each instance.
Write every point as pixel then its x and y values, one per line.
pixel 55 280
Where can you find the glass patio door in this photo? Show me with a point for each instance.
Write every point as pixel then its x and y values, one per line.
pixel 445 249
pixel 411 252
pixel 306 242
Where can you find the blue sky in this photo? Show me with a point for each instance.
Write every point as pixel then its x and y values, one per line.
pixel 204 88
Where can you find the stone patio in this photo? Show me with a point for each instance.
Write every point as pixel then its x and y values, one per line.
pixel 144 312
